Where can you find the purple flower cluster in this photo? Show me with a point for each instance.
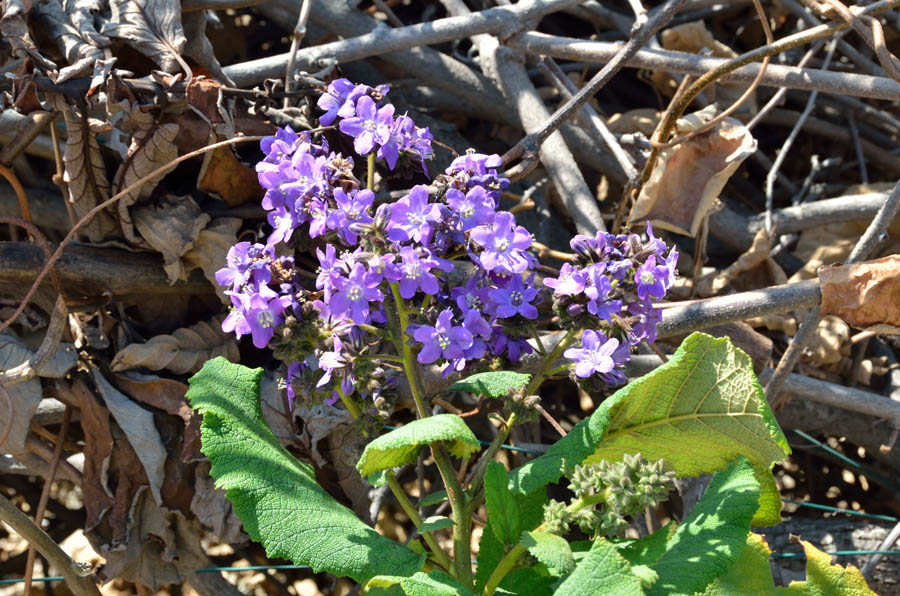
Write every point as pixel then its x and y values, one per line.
pixel 386 268
pixel 611 289
pixel 371 122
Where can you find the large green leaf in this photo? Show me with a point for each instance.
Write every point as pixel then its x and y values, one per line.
pixel 492 384
pixel 750 574
pixel 551 550
pixel 434 583
pixel 712 536
pixel 699 411
pixel 401 446
pixel 647 550
pixel 501 508
pixel 603 572
pixel 825 579
pixel 277 497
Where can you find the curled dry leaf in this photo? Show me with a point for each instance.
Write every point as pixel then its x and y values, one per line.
pixel 81 53
pixel 152 146
pixel 183 352
pixel 14 30
pixel 687 179
pixel 830 342
pixel 211 248
pixel 153 27
pixel 98 448
pixel 215 511
pixel 222 175
pixel 866 295
pixel 171 227
pixel 199 48
pixel 85 174
pixel 26 396
pixel 81 13
pixel 137 424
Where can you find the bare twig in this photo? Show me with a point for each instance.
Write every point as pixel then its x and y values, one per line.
pixel 530 145
pixel 789 141
pixel 24 527
pixel 871 31
pixel 45 493
pixel 298 34
pixel 863 247
pixel 778 98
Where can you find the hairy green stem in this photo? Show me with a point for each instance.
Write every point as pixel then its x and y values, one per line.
pixel 493 448
pixel 348 403
pixel 370 172
pixel 538 378
pixel 462 527
pixel 409 362
pixel 439 555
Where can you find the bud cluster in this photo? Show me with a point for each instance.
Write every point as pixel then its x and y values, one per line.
pixel 606 494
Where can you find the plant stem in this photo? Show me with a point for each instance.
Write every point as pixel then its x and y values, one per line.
pixel 408 508
pixel 348 403
pixel 548 362
pixel 370 174
pixel 462 528
pixel 409 363
pixel 492 450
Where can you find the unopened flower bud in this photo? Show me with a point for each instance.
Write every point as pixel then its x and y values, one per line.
pixel 382 217
pixel 358 227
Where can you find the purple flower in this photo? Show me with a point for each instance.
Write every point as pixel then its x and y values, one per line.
pixel 246 263
pixel 283 221
pixel 598 288
pixel 651 279
pixel 257 315
pixel 569 283
pixel 331 361
pixel 416 272
pixel 333 100
pixel 352 208
pixel 514 348
pixel 293 371
pixel 328 271
pixel 282 145
pixel 354 294
pixel 474 208
pixel 318 217
pixel 412 217
pixel 647 319
pixel 371 126
pixel 514 299
pixel 504 244
pixel 396 141
pixel 595 354
pixel 443 340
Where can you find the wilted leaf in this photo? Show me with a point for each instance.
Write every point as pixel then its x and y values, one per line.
pixel 137 424
pixel 214 510
pixel 171 227
pixel 153 27
pixel 98 447
pixel 26 396
pixel 85 173
pixel 81 13
pixel 222 175
pixel 183 352
pixel 79 52
pixel 198 46
pixel 688 178
pixel 866 295
pixel 210 249
pixel 152 146
pixel 14 30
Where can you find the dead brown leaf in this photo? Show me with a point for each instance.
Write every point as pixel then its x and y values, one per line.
pixel 80 52
pixel 153 27
pixel 152 146
pixel 85 172
pixel 688 178
pixel 866 295
pixel 222 175
pixel 215 511
pixel 98 446
pixel 210 249
pixel 14 30
pixel 171 226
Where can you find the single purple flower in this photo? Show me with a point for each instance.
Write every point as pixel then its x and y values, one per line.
pixel 397 140
pixel 352 208
pixel 262 316
pixel 514 299
pixel 370 127
pixel 569 283
pixel 645 326
pixel 443 340
pixel 504 244
pixel 331 361
pixel 474 208
pixel 283 221
pixel 293 371
pixel 413 217
pixel 651 279
pixel 416 272
pixel 318 217
pixel 282 145
pixel 354 293
pixel 595 354
pixel 514 348
pixel 332 100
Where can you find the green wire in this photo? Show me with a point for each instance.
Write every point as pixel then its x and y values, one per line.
pixel 837 553
pixel 874 475
pixel 840 510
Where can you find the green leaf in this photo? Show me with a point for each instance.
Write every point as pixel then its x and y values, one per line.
pixel 434 523
pixel 647 550
pixel 501 507
pixel 603 572
pixel 699 411
pixel 492 384
pixel 401 446
pixel 524 580
pixel 824 579
pixel 433 498
pixel 713 534
pixel 276 496
pixel 435 583
pixel 750 574
pixel 551 550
